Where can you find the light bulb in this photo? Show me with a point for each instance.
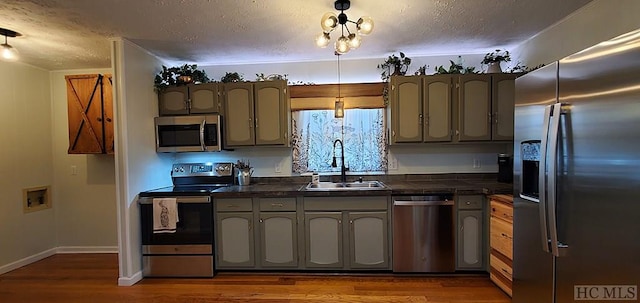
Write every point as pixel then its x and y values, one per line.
pixel 322 40
pixel 365 25
pixel 9 53
pixel 342 45
pixel 328 21
pixel 354 41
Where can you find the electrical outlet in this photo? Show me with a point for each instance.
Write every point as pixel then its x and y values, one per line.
pixel 393 162
pixel 74 170
pixel 476 163
pixel 277 168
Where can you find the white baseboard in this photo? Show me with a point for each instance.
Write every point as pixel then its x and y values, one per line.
pixel 59 250
pixel 87 250
pixel 26 261
pixel 129 281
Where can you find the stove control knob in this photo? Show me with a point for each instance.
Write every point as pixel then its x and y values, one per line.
pixel 181 169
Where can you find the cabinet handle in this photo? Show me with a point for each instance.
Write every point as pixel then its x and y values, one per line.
pixel 232 206
pixel 256 122
pixel 495 115
pixel 261 220
pixel 420 119
pixel 250 123
pixel 108 119
pixel 189 103
pixel 99 119
pixel 277 205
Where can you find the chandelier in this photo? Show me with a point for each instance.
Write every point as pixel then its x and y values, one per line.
pixel 348 39
pixel 8 52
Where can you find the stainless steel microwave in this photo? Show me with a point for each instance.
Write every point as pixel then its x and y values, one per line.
pixel 188 133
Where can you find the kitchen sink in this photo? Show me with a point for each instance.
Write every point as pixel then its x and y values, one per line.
pixel 340 186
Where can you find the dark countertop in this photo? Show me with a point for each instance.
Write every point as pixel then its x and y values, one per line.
pixel 270 187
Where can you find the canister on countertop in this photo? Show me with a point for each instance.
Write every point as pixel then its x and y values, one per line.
pixel 315 178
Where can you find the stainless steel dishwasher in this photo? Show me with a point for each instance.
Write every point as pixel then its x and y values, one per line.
pixel 423 233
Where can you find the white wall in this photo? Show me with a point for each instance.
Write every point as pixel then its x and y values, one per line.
pixel 598 21
pixel 25 162
pixel 138 166
pixel 86 207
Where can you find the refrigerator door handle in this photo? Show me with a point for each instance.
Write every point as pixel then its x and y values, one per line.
pixel 542 180
pixel 551 179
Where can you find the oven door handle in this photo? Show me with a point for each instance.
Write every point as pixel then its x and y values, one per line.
pixel 199 199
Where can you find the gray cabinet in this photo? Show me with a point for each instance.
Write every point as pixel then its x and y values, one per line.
pixel 452 108
pixel 421 109
pixel 234 233
pixel 256 113
pixel 361 243
pixel 189 99
pixel 470 246
pixel 278 233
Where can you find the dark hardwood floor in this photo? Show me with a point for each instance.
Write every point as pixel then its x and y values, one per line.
pixel 92 278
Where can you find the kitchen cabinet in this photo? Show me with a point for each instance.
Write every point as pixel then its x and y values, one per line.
pixel 421 109
pixel 452 108
pixel 234 233
pixel 501 241
pixel 188 99
pixel 347 232
pixel 278 233
pixel 90 114
pixel 256 114
pixel 470 233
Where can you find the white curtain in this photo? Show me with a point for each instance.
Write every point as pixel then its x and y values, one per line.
pixel 361 130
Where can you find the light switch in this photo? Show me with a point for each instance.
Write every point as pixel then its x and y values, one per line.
pixel 74 170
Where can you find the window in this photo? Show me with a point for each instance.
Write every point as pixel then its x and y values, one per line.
pixel 361 130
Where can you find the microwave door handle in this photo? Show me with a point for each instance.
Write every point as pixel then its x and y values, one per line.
pixel 542 180
pixel 551 185
pixel 202 145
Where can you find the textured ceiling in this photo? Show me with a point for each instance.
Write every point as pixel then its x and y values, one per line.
pixel 72 34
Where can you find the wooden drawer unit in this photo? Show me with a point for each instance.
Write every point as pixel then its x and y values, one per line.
pixel 277 204
pixel 501 237
pixel 233 204
pixel 501 241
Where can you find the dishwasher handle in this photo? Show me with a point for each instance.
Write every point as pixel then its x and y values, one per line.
pixel 421 203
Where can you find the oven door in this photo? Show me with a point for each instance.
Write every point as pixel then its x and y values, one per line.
pixel 188 133
pixel 194 227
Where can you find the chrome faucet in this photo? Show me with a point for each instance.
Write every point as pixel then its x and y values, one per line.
pixel 343 169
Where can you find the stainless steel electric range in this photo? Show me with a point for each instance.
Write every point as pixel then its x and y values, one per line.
pixel 187 251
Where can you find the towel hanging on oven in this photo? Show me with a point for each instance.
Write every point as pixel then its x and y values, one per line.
pixel 165 215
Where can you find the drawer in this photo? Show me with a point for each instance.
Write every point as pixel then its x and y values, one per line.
pixel 501 237
pixel 501 273
pixel 236 204
pixel 277 204
pixel 502 211
pixel 470 202
pixel 345 203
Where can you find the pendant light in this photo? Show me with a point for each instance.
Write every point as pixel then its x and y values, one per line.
pixel 9 53
pixel 339 105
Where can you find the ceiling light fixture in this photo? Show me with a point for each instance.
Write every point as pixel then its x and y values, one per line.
pixel 9 53
pixel 351 40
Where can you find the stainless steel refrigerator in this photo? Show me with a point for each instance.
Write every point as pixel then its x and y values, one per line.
pixel 577 177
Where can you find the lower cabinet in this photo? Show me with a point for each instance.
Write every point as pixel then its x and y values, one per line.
pixel 470 233
pixel 278 239
pixel 347 233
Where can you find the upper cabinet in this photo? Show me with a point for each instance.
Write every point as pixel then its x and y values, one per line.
pixel 189 99
pixel 452 108
pixel 256 113
pixel 90 114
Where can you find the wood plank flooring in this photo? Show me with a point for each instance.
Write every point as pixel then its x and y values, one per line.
pixel 92 278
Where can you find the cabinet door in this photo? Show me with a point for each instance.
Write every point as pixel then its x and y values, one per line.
pixel 234 239
pixel 368 240
pixel 238 118
pixel 470 238
pixel 323 239
pixel 271 124
pixel 278 239
pixel 84 108
pixel 474 108
pixel 107 113
pixel 503 98
pixel 204 98
pixel 406 109
pixel 173 101
pixel 437 108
